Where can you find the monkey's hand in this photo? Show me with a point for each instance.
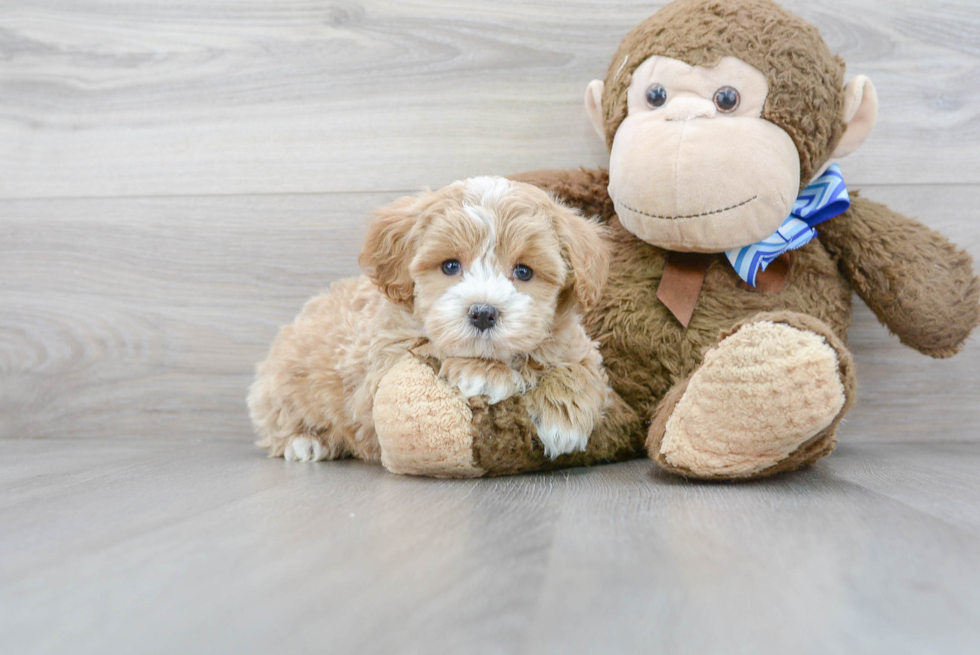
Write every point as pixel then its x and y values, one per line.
pixel 483 377
pixel 918 283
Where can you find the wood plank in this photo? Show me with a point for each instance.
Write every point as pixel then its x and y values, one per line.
pixel 143 318
pixel 138 98
pixel 938 479
pixel 805 563
pixel 176 546
pixel 278 556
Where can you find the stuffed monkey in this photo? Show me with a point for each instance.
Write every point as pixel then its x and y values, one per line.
pixel 735 250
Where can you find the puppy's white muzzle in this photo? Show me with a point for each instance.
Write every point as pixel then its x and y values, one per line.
pixel 483 315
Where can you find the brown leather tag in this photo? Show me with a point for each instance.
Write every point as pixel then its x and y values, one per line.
pixel 681 283
pixel 773 279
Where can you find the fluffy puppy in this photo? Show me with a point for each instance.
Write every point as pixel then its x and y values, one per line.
pixel 488 276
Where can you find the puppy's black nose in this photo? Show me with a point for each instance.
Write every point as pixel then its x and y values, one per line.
pixel 483 317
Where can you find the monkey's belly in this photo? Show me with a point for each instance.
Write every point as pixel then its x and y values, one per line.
pixel 646 350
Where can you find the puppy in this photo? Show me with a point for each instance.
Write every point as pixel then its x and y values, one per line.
pixel 489 277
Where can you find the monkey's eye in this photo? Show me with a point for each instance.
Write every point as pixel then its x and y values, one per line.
pixel 523 273
pixel 727 99
pixel 656 96
pixel 451 267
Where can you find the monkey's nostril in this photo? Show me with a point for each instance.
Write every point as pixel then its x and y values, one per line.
pixel 483 317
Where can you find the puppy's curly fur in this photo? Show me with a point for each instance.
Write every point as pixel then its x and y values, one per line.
pixel 488 276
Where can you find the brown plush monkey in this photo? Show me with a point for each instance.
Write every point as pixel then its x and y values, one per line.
pixel 719 114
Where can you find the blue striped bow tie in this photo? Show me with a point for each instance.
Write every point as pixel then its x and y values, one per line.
pixel 825 198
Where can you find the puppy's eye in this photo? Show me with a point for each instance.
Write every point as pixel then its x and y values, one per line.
pixel 451 267
pixel 656 96
pixel 523 273
pixel 727 99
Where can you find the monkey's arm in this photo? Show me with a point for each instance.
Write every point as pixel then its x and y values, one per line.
pixel 918 283
pixel 584 189
pixel 425 427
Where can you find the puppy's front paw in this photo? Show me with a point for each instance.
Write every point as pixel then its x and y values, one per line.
pixel 560 437
pixel 482 377
pixel 565 407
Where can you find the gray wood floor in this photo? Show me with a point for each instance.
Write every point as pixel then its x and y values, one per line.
pixel 192 548
pixel 177 178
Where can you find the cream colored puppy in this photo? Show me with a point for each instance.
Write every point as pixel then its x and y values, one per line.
pixel 486 275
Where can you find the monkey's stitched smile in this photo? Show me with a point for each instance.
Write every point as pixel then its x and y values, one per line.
pixel 708 213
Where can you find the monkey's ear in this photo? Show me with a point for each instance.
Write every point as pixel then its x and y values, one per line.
pixel 593 106
pixel 860 114
pixel 389 247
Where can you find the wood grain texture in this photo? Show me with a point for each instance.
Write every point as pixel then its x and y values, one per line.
pixel 193 548
pixel 143 318
pixel 142 98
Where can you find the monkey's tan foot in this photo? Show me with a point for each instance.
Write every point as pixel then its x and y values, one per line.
pixel 423 425
pixel 768 398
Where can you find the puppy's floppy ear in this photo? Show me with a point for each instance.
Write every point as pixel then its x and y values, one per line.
pixel 389 247
pixel 587 254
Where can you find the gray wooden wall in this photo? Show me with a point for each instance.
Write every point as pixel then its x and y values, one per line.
pixel 177 178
